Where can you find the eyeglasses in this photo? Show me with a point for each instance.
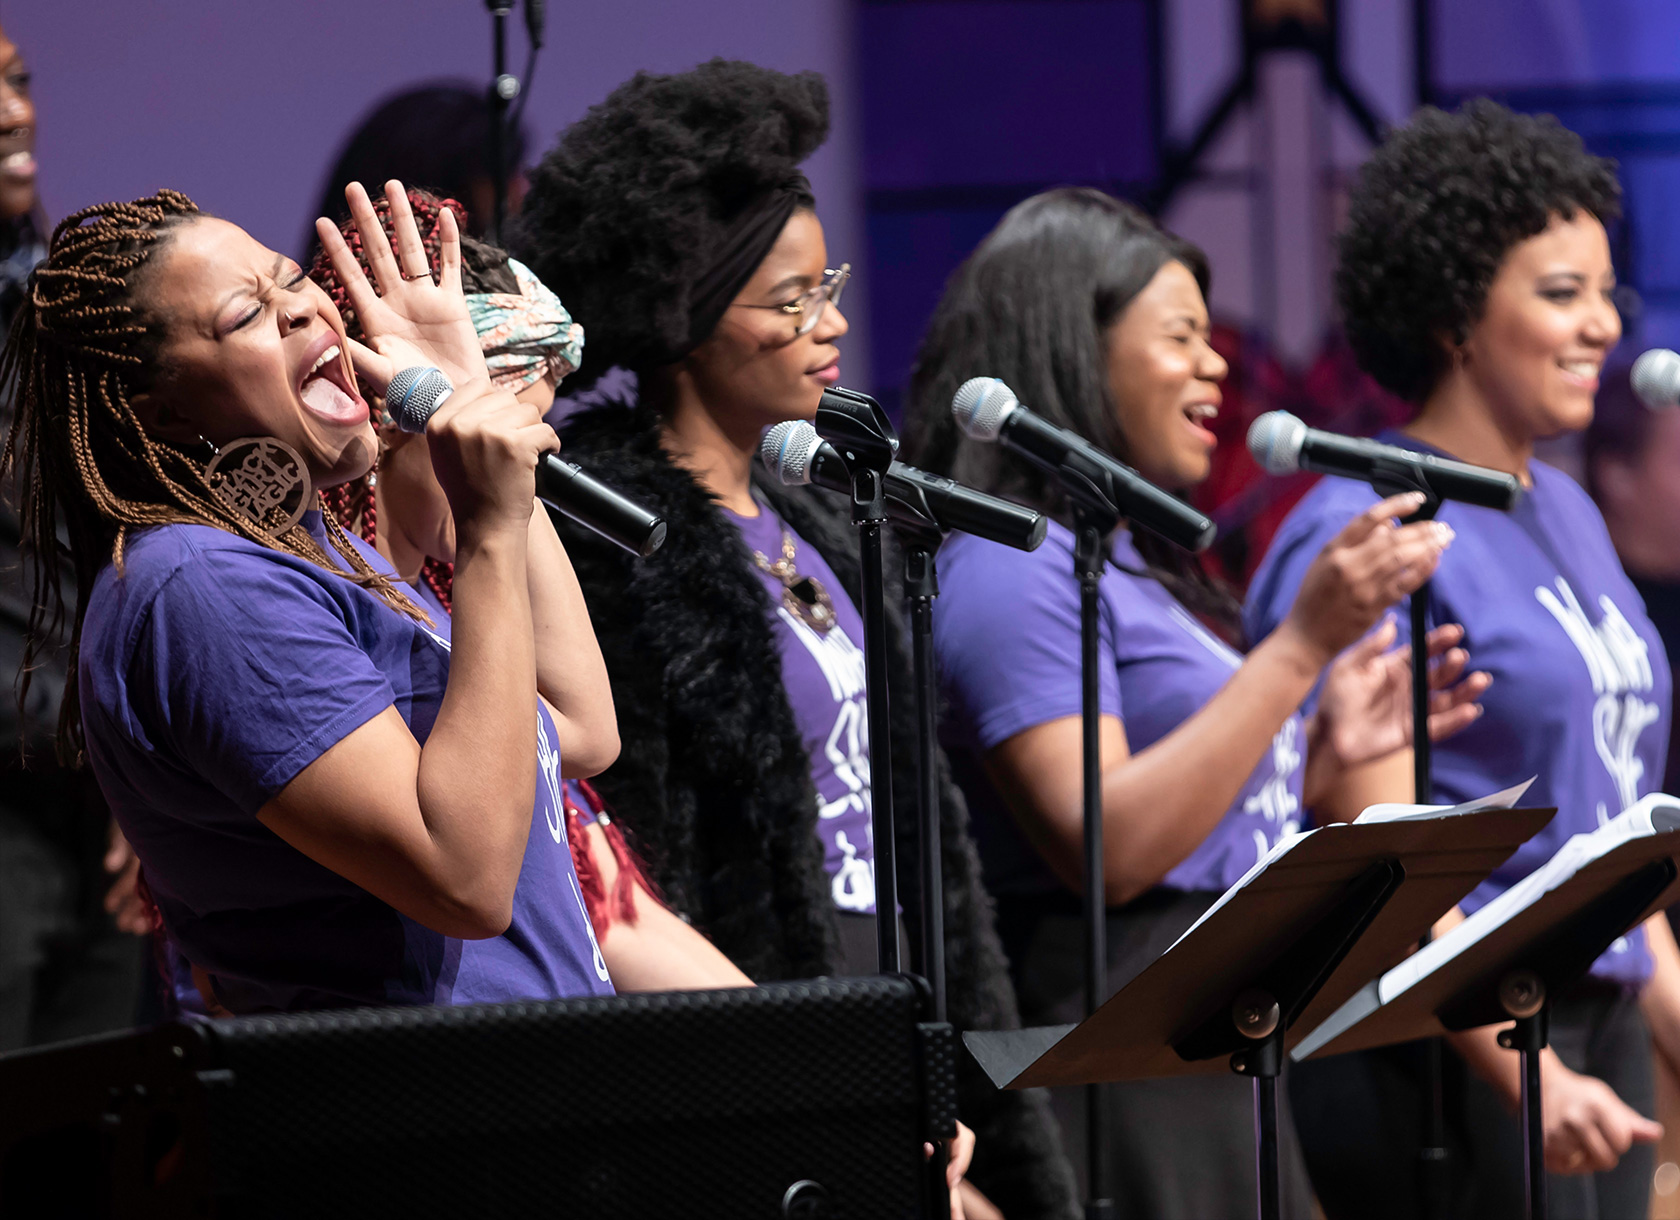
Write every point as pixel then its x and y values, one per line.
pixel 808 306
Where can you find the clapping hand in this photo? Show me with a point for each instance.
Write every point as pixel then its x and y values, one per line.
pixel 1365 712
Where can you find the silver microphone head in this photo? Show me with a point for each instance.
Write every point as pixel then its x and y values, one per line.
pixel 787 450
pixel 981 405
pixel 415 394
pixel 1656 378
pixel 1275 441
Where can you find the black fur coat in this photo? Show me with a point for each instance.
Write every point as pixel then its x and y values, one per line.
pixel 714 784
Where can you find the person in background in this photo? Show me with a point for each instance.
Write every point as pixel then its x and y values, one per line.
pixel 1630 457
pixel 1475 281
pixel 69 965
pixel 433 137
pixel 1099 319
pixel 674 221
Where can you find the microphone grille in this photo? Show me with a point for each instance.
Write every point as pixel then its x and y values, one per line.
pixel 1656 378
pixel 415 394
pixel 1275 441
pixel 787 450
pixel 981 405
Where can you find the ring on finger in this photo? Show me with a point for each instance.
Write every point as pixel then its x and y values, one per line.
pixel 419 275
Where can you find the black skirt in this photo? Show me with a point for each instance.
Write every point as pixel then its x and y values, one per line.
pixel 1180 1148
pixel 1361 1122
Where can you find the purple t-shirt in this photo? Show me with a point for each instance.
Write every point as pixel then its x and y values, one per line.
pixel 212 673
pixel 1006 631
pixel 824 677
pixel 1581 686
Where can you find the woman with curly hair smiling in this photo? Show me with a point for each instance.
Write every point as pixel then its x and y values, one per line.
pixel 1475 280
pixel 676 224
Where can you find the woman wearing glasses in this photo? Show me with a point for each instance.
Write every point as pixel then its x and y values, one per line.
pixel 674 221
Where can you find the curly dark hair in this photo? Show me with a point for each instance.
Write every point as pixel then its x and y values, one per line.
pixel 1433 215
pixel 626 213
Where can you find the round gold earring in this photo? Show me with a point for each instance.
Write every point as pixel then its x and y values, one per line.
pixel 262 479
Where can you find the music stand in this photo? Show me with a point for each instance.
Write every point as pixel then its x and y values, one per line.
pixel 1309 924
pixel 1508 960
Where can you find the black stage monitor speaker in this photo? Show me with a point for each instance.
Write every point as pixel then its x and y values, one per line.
pixel 806 1100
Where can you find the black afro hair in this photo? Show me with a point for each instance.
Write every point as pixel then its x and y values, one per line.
pixel 628 210
pixel 1433 215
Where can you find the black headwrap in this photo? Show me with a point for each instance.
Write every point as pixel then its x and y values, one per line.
pixel 744 246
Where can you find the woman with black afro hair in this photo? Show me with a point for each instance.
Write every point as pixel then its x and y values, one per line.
pixel 1475 280
pixel 674 221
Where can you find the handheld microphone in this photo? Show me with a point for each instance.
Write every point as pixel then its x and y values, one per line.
pixel 796 453
pixel 414 396
pixel 1283 444
pixel 1656 378
pixel 988 410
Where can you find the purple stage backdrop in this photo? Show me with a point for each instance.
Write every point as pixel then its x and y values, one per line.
pixel 243 104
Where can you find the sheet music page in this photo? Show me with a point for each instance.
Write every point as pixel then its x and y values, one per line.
pixel 1505 799
pixel 1374 815
pixel 1650 815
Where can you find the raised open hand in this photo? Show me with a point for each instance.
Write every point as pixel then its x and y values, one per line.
pixel 1366 709
pixel 405 305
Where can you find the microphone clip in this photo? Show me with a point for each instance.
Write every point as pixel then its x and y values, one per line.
pixel 864 437
pixel 1398 476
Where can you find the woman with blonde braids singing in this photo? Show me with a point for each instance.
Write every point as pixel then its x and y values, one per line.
pixel 335 799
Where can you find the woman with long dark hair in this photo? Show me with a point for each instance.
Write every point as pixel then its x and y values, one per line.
pixel 675 223
pixel 1098 320
pixel 335 799
pixel 1475 280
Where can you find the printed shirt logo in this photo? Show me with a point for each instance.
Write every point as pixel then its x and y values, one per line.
pixel 1274 802
pixel 1619 662
pixel 554 811
pixel 847 752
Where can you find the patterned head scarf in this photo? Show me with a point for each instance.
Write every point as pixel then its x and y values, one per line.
pixel 525 337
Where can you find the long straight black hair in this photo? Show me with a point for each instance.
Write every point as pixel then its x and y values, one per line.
pixel 1032 306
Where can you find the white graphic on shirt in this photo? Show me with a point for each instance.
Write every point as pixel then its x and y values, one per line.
pixel 548 767
pixel 854 883
pixel 1620 664
pixel 1206 638
pixel 847 751
pixel 1274 801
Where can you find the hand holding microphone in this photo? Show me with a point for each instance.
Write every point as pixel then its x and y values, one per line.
pixel 416 395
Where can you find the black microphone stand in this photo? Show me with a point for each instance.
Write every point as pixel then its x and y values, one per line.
pixel 503 89
pixel 1094 519
pixel 857 427
pixel 1434 1172
pixel 921 587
